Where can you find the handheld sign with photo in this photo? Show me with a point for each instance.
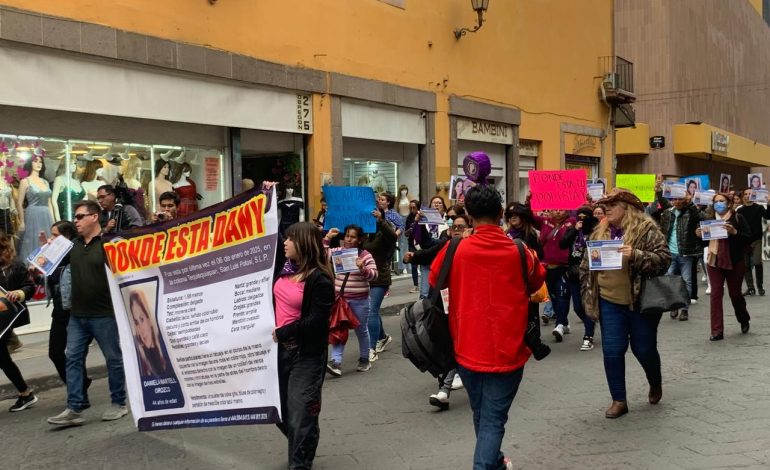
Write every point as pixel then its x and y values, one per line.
pixel 430 217
pixel 596 191
pixel 350 205
pixel 724 182
pixel 674 190
pixel 696 183
pixel 642 185
pixel 47 257
pixel 603 255
pixel 560 189
pixel 703 198
pixel 713 229
pixel 756 181
pixel 344 261
pixel 758 195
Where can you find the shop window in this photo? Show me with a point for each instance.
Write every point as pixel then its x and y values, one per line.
pixel 378 175
pixel 589 164
pixel 284 168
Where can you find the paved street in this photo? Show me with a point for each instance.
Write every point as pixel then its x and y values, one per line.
pixel 715 413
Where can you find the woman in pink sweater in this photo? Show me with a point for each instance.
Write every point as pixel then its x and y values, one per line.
pixel 356 293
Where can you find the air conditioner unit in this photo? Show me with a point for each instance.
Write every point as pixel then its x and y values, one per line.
pixel 610 81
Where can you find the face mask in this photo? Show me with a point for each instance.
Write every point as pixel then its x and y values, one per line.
pixel 720 207
pixel 449 222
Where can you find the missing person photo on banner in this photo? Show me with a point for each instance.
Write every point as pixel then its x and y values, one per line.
pixel 344 261
pixel 193 301
pixel 724 182
pixel 758 195
pixel 604 255
pixel 674 190
pixel 756 181
pixel 713 229
pixel 703 198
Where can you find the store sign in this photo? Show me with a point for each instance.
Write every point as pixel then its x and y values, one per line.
pixel 719 142
pixel 528 148
pixel 657 142
pixel 212 173
pixel 304 114
pixel 584 142
pixel 484 131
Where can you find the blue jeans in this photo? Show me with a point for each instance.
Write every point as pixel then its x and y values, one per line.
pixel 360 309
pixel 573 285
pixel 619 324
pixel 376 331
pixel 80 332
pixel 490 396
pixel 424 284
pixel 683 266
pixel 557 291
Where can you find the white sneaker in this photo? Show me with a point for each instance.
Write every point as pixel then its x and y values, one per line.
pixel 114 412
pixel 382 344
pixel 558 333
pixel 588 343
pixel 693 301
pixel 703 278
pixel 372 355
pixel 457 382
pixel 439 400
pixel 708 290
pixel 67 417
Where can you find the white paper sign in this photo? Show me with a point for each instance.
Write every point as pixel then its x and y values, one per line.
pixel 674 190
pixel 431 217
pixel 604 255
pixel 703 198
pixel 344 261
pixel 713 229
pixel 758 195
pixel 47 257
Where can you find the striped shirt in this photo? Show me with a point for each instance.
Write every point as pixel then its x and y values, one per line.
pixel 357 286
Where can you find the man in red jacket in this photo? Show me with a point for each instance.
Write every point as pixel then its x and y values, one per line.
pixel 488 307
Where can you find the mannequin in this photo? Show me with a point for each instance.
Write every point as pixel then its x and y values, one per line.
pixel 291 208
pixel 91 181
pixel 37 217
pixel 7 201
pixel 378 182
pixel 161 181
pixel 130 177
pixel 403 200
pixel 63 189
pixel 188 194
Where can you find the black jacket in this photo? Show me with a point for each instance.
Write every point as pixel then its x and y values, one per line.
pixel 426 256
pixel 311 331
pixel 382 245
pixel 738 241
pixel 753 215
pixel 686 223
pixel 16 277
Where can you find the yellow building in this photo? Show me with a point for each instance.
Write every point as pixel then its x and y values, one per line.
pixel 376 92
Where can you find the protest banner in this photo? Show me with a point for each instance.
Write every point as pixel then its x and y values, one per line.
pixel 703 198
pixel 642 185
pixel 557 189
pixel 350 205
pixel 674 190
pixel 193 304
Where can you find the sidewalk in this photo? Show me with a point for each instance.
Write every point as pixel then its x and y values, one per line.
pixel 40 374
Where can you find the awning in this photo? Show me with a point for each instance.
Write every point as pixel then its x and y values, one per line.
pixel 707 141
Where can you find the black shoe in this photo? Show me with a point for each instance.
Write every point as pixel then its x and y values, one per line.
pixel 718 337
pixel 683 315
pixel 22 403
pixel 749 292
pixel 761 291
pixel 545 319
pixel 745 328
pixel 674 314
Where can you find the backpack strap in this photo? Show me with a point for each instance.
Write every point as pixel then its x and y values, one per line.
pixel 443 275
pixel 344 283
pixel 523 254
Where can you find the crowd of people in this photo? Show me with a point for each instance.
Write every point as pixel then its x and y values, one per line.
pixel 507 252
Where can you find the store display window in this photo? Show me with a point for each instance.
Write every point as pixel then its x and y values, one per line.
pixel 381 176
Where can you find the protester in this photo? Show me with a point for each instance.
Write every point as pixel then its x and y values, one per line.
pixel 488 325
pixel 726 262
pixel 60 316
pixel 520 224
pixel 387 202
pixel 356 293
pixel 461 227
pixel 753 214
pixel 168 203
pixel 304 294
pixel 115 216
pixel 92 317
pixel 381 245
pixel 16 281
pixel 575 241
pixel 599 212
pixel 614 295
pixel 321 217
pixel 678 221
pixel 427 235
pixel 409 227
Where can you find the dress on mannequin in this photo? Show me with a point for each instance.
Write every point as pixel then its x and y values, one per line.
pixel 37 218
pixel 187 192
pixel 291 208
pixel 65 189
pixel 91 181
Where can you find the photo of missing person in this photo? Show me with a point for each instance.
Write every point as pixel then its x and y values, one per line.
pixel 724 183
pixel 152 361
pixel 755 181
pixel 692 186
pixel 457 188
pixel 596 258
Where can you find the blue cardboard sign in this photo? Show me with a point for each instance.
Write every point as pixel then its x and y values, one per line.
pixel 350 205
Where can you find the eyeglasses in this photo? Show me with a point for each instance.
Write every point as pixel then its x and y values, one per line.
pixel 451 217
pixel 459 227
pixel 82 216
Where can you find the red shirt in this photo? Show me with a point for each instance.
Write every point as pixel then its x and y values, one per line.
pixel 488 303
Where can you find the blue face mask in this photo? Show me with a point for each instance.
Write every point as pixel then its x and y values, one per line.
pixel 720 207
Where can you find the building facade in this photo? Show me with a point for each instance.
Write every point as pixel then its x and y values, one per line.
pixel 700 83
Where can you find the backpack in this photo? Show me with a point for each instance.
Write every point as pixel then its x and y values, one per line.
pixel 425 338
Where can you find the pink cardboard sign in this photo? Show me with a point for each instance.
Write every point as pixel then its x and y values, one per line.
pixel 560 189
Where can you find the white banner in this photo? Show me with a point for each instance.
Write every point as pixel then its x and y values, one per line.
pixel 193 301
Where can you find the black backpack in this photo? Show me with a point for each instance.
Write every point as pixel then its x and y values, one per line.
pixel 425 338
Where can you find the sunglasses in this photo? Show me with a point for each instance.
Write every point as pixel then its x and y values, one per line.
pixel 451 217
pixel 459 227
pixel 82 216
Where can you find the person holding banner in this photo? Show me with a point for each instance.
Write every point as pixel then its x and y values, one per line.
pixel 753 213
pixel 304 294
pixel 427 235
pixel 612 296
pixel 356 293
pixel 726 263
pixel 17 287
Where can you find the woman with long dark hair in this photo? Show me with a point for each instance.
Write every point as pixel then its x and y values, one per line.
pixel 16 282
pixel 304 294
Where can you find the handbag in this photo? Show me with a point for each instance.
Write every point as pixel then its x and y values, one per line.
pixel 342 318
pixel 663 294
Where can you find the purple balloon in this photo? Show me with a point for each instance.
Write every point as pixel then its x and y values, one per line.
pixel 477 167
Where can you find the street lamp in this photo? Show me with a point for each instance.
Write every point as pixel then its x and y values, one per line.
pixel 479 6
